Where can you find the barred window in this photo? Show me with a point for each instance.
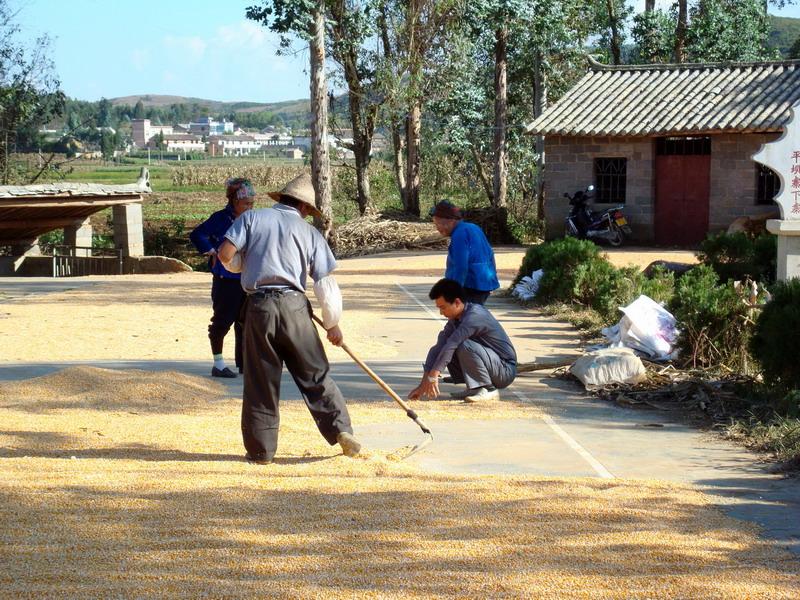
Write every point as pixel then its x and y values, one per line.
pixel 610 176
pixel 768 184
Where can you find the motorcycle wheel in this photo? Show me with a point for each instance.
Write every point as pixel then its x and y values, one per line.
pixel 617 237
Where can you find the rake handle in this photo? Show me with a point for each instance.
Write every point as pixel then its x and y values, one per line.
pixel 384 386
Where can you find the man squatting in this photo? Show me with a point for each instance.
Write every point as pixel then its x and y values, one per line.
pixel 473 346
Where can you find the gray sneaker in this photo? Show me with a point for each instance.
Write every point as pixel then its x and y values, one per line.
pixel 350 445
pixel 482 395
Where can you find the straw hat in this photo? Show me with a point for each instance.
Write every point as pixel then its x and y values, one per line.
pixel 300 188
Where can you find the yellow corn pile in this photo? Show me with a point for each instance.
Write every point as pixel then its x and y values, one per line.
pixel 132 484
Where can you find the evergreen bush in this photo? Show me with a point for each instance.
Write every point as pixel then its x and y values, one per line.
pixel 776 340
pixel 738 255
pixel 714 322
pixel 558 258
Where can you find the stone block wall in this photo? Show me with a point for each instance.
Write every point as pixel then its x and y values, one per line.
pixel 733 178
pixel 570 167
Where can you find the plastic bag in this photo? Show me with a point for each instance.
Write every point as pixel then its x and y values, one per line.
pixel 527 287
pixel 646 326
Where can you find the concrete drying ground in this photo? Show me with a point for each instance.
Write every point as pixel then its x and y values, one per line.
pixel 390 323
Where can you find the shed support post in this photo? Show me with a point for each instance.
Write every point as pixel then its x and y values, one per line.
pixel 129 229
pixel 79 234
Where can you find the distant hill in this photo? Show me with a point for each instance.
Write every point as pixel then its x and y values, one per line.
pixel 291 107
pixel 784 32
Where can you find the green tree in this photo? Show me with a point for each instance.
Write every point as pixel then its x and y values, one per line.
pixel 306 19
pixel 728 30
pixel 29 94
pixel 108 144
pixel 794 51
pixel 104 113
pixel 138 110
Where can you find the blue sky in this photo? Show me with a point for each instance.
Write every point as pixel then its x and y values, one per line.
pixel 201 48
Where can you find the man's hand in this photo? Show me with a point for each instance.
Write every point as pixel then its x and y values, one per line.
pixel 335 336
pixel 426 389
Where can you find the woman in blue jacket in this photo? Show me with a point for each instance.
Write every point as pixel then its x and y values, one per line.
pixel 227 295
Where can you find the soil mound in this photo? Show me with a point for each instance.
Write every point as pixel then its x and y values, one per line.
pixel 108 389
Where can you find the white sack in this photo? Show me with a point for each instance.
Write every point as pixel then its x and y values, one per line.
pixel 646 326
pixel 610 365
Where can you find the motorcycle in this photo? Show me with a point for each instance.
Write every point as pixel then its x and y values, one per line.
pixel 610 225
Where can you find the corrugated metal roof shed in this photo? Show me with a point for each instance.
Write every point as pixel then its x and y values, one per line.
pixel 27 211
pixel 658 100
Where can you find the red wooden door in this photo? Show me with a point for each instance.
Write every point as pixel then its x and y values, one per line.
pixel 682 194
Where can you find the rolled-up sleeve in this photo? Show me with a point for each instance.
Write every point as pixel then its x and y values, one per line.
pixel 321 260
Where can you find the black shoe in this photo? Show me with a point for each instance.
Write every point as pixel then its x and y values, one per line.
pixel 226 372
pixel 448 379
pixel 261 459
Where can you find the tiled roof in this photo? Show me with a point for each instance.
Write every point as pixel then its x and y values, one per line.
pixel 653 100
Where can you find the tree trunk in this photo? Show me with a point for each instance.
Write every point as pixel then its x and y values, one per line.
pixel 320 161
pixel 476 157
pixel 399 148
pixel 616 52
pixel 413 143
pixel 680 32
pixel 500 179
pixel 363 125
pixel 539 104
pixel 414 119
pixel 398 139
pixel 649 6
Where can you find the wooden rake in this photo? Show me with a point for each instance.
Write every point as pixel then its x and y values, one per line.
pixel 392 394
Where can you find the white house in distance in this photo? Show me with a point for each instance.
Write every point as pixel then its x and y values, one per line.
pixel 183 142
pixel 233 145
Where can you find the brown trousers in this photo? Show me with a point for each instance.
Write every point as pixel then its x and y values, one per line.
pixel 278 329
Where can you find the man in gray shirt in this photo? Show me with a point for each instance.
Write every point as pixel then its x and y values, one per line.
pixel 473 346
pixel 276 249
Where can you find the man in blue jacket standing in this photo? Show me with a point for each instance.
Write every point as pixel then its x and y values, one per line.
pixel 227 295
pixel 470 260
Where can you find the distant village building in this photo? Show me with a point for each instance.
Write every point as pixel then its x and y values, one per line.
pixel 672 143
pixel 293 153
pixel 232 145
pixel 143 131
pixel 207 126
pixel 182 142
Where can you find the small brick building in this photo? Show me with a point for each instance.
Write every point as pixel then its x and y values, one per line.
pixel 672 143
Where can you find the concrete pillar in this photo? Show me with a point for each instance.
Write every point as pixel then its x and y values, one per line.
pixel 129 229
pixel 79 234
pixel 788 233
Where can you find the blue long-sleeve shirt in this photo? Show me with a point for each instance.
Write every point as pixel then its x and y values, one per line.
pixel 210 234
pixel 476 323
pixel 470 260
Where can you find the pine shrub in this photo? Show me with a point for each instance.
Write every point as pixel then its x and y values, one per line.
pixel 714 322
pixel 738 255
pixel 776 340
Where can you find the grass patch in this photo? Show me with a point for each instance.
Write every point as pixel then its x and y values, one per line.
pixel 779 436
